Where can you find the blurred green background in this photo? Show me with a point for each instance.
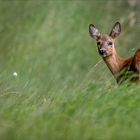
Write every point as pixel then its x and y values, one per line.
pixel 63 91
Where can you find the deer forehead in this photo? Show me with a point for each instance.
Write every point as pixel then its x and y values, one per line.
pixel 104 38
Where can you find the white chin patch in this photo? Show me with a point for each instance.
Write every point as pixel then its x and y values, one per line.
pixel 104 55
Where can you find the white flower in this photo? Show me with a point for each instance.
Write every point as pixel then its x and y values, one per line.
pixel 15 74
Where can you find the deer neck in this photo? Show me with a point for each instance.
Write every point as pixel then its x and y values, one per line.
pixel 114 62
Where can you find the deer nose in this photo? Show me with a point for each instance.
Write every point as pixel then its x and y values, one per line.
pixel 102 52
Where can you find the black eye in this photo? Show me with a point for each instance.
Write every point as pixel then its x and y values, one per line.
pixel 98 43
pixel 110 43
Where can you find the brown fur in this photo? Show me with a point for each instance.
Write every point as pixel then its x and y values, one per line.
pixel 122 69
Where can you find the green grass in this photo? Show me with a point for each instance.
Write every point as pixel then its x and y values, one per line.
pixel 60 93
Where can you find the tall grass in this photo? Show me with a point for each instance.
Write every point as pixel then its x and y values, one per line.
pixel 63 91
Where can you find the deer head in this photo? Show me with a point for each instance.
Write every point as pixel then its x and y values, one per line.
pixel 105 43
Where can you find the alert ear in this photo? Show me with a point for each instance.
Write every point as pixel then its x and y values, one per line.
pixel 94 33
pixel 115 30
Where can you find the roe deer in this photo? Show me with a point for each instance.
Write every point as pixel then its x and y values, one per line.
pixel 122 69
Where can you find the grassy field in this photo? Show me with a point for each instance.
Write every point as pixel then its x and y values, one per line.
pixel 62 90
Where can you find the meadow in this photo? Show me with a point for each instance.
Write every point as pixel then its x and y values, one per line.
pixel 53 83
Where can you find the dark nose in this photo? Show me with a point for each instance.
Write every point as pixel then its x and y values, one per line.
pixel 102 52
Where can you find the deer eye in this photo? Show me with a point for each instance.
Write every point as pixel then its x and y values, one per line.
pixel 109 43
pixel 98 43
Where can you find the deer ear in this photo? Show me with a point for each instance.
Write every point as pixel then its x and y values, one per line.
pixel 94 33
pixel 115 30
